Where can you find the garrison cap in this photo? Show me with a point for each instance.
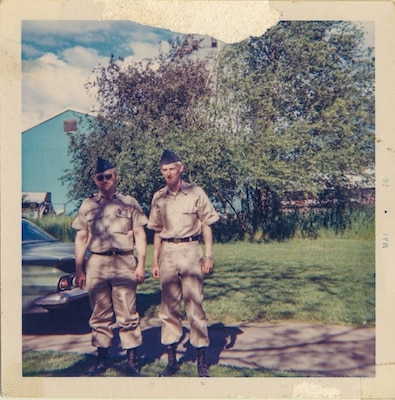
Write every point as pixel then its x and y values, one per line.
pixel 102 165
pixel 168 157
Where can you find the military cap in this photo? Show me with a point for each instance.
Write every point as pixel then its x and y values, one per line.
pixel 102 165
pixel 168 157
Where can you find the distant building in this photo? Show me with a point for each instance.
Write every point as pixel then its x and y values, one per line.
pixel 36 204
pixel 45 156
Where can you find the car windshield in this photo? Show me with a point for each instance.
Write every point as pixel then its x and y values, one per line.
pixel 32 232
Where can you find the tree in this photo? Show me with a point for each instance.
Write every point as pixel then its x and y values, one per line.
pixel 305 112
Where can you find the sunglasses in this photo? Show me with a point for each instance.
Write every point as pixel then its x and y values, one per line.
pixel 101 178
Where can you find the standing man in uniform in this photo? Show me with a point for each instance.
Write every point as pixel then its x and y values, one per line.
pixel 180 213
pixel 110 226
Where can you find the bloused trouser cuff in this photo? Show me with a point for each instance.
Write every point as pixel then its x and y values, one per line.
pixel 130 337
pixel 172 332
pixel 199 334
pixel 101 337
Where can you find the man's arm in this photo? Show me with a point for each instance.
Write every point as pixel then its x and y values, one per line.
pixel 80 243
pixel 141 247
pixel 207 263
pixel 157 246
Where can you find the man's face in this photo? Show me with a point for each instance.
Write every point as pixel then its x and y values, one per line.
pixel 106 181
pixel 171 173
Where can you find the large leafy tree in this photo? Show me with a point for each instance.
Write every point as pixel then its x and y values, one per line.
pixel 303 110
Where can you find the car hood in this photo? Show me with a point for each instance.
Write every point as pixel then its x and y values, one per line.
pixel 53 253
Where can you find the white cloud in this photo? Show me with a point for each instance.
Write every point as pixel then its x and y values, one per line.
pixel 143 50
pixel 51 85
pixel 82 58
pixel 72 49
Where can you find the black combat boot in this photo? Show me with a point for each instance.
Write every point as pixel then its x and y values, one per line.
pixel 132 367
pixel 172 366
pixel 201 363
pixel 102 362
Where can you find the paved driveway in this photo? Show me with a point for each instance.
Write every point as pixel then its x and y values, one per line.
pixel 310 349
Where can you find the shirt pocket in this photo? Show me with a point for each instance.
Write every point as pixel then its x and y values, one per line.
pixel 122 220
pixel 95 222
pixel 188 209
pixel 188 215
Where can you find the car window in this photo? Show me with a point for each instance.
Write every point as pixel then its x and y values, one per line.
pixel 33 232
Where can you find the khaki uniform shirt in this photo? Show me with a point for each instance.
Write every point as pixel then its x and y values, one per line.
pixel 182 214
pixel 110 223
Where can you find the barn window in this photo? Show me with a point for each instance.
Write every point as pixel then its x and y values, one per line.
pixel 70 125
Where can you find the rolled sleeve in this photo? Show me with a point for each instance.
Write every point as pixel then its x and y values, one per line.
pixel 155 220
pixel 206 211
pixel 138 216
pixel 80 222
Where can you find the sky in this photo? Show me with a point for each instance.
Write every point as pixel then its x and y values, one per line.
pixel 58 58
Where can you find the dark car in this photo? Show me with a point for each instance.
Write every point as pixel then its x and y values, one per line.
pixel 48 270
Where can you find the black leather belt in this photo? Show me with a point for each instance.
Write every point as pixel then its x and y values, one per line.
pixel 114 253
pixel 181 240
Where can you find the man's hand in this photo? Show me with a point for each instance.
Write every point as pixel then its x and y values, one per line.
pixel 80 279
pixel 207 265
pixel 139 274
pixel 81 240
pixel 156 271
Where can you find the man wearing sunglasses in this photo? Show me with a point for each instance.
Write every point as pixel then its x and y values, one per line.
pixel 110 226
pixel 180 213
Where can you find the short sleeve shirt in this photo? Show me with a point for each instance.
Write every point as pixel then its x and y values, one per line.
pixel 182 214
pixel 110 223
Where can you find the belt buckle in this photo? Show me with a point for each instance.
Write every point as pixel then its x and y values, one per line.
pixel 177 240
pixel 114 252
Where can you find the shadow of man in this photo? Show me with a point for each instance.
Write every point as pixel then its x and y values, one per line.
pixel 221 337
pixel 152 347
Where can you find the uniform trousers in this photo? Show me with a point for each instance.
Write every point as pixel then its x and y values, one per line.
pixel 112 290
pixel 181 278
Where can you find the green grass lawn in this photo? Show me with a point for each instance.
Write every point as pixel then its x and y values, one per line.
pixel 55 364
pixel 326 281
